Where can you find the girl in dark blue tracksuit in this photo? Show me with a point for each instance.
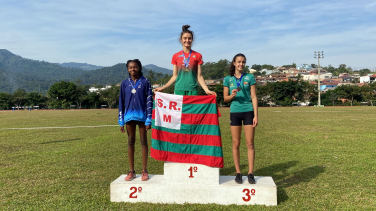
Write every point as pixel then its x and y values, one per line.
pixel 135 108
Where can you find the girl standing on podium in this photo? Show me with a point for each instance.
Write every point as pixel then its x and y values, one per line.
pixel 239 88
pixel 187 68
pixel 135 108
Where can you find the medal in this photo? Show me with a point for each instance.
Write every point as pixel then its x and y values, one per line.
pixel 134 87
pixel 186 60
pixel 238 81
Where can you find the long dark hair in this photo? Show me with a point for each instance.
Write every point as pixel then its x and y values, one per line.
pixel 232 66
pixel 138 64
pixel 185 29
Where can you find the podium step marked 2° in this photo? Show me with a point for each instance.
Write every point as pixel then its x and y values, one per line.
pixel 194 183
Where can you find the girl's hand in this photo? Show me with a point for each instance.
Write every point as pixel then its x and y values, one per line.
pixel 147 127
pixel 255 121
pixel 234 92
pixel 158 90
pixel 122 129
pixel 208 92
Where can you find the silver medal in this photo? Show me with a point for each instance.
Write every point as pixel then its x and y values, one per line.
pixel 133 91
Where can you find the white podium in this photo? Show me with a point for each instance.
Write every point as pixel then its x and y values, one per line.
pixel 194 183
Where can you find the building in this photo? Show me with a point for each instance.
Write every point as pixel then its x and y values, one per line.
pixel 93 89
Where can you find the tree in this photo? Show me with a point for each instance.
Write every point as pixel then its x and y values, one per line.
pixel 267 66
pixel 64 93
pixel 256 67
pixel 363 72
pixel 93 100
pixel 19 97
pixel 263 93
pixel 307 92
pixel 368 92
pixel 286 92
pixel 331 96
pixel 36 99
pixel 342 69
pixel 349 92
pixel 216 70
pixel 314 65
pixel 5 101
pixel 80 95
pixel 110 95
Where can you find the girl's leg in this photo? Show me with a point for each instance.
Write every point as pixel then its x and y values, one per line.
pixel 131 130
pixel 249 132
pixel 236 134
pixel 144 145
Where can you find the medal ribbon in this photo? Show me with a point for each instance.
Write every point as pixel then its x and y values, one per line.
pixel 238 81
pixel 136 83
pixel 186 60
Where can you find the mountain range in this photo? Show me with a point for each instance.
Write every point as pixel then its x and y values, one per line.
pixel 83 66
pixel 32 75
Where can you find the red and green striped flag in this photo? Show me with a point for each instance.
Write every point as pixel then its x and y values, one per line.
pixel 185 129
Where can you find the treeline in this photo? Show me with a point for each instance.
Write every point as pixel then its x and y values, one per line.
pixel 63 94
pixel 342 68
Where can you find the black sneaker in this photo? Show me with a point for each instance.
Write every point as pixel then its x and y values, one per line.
pixel 238 178
pixel 251 179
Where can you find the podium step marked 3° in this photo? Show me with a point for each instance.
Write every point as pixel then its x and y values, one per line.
pixel 194 183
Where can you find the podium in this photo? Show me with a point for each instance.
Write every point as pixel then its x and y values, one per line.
pixel 194 183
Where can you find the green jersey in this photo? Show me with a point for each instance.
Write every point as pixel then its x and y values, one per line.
pixel 242 102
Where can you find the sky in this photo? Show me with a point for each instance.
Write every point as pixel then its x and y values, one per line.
pixel 276 32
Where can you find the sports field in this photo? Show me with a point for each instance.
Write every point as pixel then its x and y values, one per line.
pixel 320 158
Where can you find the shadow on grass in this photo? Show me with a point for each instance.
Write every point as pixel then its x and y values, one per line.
pixel 284 179
pixel 59 141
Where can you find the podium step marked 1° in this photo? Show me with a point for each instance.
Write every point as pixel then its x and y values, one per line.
pixel 194 183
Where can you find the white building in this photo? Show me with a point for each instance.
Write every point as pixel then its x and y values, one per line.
pixel 313 77
pixel 364 79
pixel 93 89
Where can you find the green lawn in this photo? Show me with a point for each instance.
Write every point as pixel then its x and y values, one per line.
pixel 320 158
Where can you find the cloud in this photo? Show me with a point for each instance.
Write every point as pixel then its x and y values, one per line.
pixel 273 32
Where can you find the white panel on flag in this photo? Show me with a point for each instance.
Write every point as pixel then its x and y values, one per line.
pixel 168 110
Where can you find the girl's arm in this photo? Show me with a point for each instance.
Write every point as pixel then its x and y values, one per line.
pixel 201 81
pixel 121 110
pixel 226 97
pixel 171 81
pixel 255 104
pixel 149 105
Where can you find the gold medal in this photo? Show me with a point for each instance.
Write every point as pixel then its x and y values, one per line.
pixel 186 70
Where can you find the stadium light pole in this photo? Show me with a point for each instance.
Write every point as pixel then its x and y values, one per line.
pixel 319 55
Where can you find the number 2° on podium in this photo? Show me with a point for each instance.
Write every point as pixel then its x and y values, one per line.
pixel 134 191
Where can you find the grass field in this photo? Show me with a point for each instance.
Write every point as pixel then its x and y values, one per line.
pixel 320 158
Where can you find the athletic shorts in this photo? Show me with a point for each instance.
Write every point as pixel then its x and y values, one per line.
pixel 135 122
pixel 180 92
pixel 236 119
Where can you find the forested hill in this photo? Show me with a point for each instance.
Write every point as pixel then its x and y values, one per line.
pixel 106 75
pixel 21 73
pixel 31 75
pixel 157 69
pixel 83 66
